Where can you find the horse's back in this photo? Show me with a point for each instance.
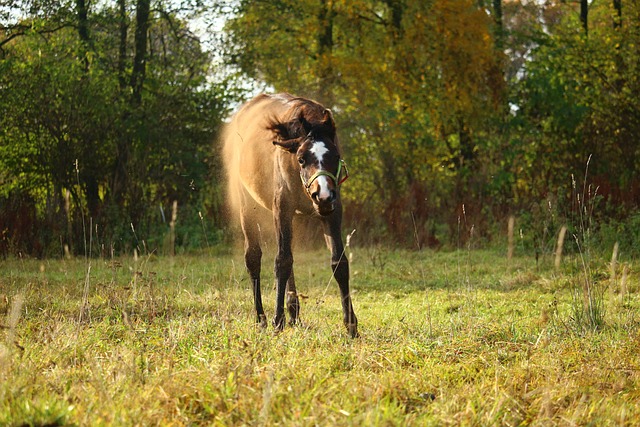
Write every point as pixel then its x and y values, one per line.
pixel 248 151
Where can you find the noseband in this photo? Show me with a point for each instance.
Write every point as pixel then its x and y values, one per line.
pixel 335 178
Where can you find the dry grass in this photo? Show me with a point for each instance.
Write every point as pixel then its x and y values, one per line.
pixel 447 338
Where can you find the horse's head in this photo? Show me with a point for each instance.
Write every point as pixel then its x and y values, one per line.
pixel 314 147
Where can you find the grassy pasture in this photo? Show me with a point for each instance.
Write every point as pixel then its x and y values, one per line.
pixel 448 338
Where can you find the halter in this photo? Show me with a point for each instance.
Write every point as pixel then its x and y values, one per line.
pixel 336 178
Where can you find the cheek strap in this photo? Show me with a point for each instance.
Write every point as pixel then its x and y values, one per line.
pixel 336 178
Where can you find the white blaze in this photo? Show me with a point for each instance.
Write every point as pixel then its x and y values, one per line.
pixel 319 149
pixel 323 183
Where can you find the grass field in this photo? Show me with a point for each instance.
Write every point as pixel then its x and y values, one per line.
pixel 447 338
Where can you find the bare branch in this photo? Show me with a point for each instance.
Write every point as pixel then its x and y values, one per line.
pixel 24 29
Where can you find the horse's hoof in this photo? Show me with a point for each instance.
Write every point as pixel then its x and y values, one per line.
pixel 352 328
pixel 262 321
pixel 278 324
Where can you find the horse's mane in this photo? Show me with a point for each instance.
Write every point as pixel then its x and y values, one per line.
pixel 305 117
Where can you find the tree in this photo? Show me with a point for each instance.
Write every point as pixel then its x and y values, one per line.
pixel 408 79
pixel 584 15
pixel 122 122
pixel 570 104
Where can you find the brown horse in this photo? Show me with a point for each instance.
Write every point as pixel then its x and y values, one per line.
pixel 281 153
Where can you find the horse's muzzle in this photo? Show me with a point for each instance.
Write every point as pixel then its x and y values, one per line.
pixel 324 205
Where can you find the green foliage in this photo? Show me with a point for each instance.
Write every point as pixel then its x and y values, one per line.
pixel 78 148
pixel 572 104
pixel 439 124
pixel 453 115
pixel 625 233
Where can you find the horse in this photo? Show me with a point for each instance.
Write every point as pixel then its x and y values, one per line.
pixel 281 154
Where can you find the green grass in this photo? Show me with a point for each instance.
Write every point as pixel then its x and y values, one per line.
pixel 447 338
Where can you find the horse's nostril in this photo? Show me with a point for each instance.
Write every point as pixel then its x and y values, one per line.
pixel 314 196
pixel 332 196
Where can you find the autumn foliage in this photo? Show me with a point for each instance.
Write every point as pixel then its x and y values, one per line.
pixel 453 115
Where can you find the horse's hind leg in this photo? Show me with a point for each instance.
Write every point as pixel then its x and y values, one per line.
pixel 293 303
pixel 253 257
pixel 284 258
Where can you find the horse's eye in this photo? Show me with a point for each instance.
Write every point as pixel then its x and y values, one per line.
pixel 301 161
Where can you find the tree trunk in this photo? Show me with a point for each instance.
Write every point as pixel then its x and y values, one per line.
pixel 325 52
pixel 122 49
pixel 140 56
pixel 397 12
pixel 83 32
pixel 584 16
pixel 121 182
pixel 617 19
pixel 467 146
pixel 83 22
pixel 92 193
pixel 497 19
pixel 90 181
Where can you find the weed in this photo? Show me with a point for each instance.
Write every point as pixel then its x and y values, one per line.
pixel 588 303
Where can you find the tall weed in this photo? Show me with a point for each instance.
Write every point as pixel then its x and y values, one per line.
pixel 588 308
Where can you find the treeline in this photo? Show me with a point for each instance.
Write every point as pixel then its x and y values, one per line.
pixel 108 118
pixel 458 114
pixel 453 116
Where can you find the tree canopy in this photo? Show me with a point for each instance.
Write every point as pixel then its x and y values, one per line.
pixel 459 111
pixel 108 116
pixel 452 114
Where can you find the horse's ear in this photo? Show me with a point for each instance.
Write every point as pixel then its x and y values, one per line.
pixel 290 145
pixel 327 118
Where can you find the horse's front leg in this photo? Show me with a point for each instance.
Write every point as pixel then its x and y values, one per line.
pixel 340 268
pixel 283 218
